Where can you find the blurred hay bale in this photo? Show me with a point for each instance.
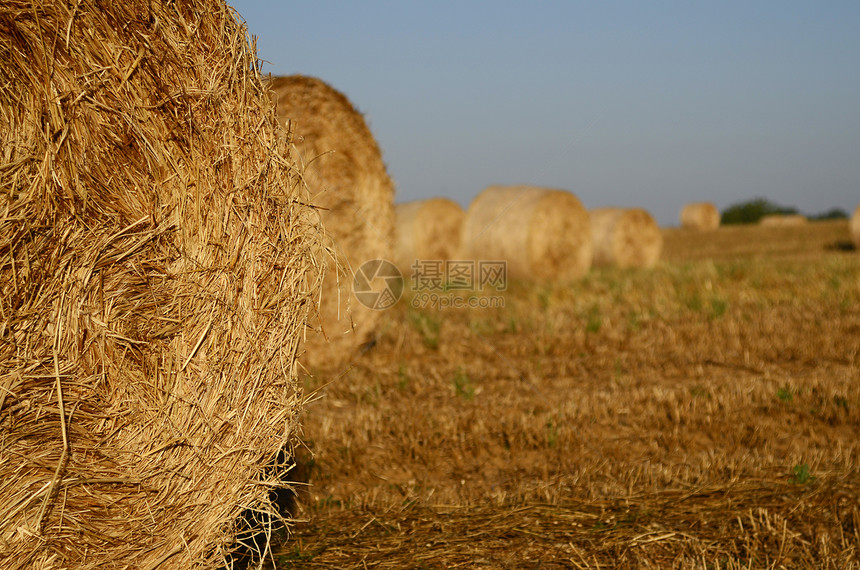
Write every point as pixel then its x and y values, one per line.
pixel 541 233
pixel 700 216
pixel 157 262
pixel 855 227
pixel 783 220
pixel 347 178
pixel 625 237
pixel 427 230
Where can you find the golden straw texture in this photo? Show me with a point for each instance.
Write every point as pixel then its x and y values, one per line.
pixel 542 233
pixel 700 216
pixel 348 181
pixel 427 230
pixel 625 237
pixel 157 263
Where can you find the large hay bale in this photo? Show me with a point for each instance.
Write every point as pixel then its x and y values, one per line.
pixel 855 227
pixel 783 220
pixel 349 182
pixel 427 230
pixel 625 237
pixel 700 216
pixel 157 263
pixel 542 233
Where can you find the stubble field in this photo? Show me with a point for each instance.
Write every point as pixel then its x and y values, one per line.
pixel 703 414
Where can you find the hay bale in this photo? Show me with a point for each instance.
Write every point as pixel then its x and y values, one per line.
pixel 349 182
pixel 156 265
pixel 427 230
pixel 783 220
pixel 855 227
pixel 541 233
pixel 625 237
pixel 700 216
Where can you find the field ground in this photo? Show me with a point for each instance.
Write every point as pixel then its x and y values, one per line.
pixel 704 414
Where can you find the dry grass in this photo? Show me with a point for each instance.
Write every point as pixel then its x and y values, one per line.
pixel 156 269
pixel 702 414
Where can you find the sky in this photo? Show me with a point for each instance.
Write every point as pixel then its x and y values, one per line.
pixel 624 103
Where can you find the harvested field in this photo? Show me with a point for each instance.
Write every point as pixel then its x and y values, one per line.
pixel 701 414
pixel 756 241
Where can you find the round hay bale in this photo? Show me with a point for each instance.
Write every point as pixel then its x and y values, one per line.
pixel 542 233
pixel 855 227
pixel 783 220
pixel 348 181
pixel 625 237
pixel 426 230
pixel 700 216
pixel 157 260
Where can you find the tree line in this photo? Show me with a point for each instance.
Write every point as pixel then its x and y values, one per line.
pixel 751 211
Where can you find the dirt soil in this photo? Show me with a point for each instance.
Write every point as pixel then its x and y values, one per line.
pixel 703 414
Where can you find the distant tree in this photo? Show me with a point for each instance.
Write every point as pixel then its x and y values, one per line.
pixel 751 211
pixel 834 214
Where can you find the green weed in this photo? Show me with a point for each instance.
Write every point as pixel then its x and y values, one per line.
pixel 718 307
pixel 800 474
pixel 699 391
pixel 594 321
pixel 403 378
pixel 428 326
pixel 462 385
pixel 551 432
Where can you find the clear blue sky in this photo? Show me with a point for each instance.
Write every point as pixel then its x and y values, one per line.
pixel 624 103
